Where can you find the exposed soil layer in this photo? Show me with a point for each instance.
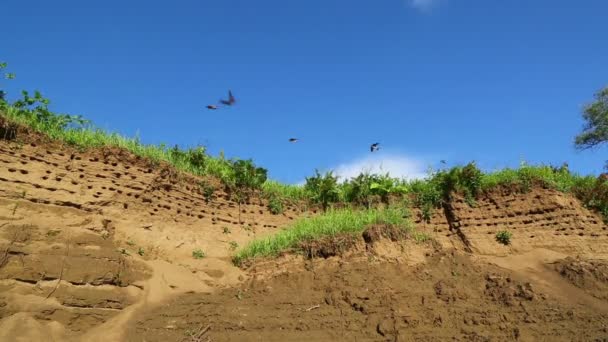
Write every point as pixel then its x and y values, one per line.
pixel 450 296
pixel 589 275
pixel 87 238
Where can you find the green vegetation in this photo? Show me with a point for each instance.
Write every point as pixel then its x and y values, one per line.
pixel 207 189
pixel 288 192
pixel 369 189
pixel 275 205
pixel 421 237
pixel 331 223
pixel 198 254
pixel 595 114
pixel 504 237
pixel 233 245
pixel 322 188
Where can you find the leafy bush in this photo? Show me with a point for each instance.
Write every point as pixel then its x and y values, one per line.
pixel 247 175
pixel 467 180
pixel 427 195
pixel 196 157
pixel 198 254
pixel 207 189
pixel 358 190
pixel 36 109
pixel 323 189
pixel 504 237
pixel 275 205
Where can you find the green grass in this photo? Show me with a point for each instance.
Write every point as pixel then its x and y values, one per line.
pixel 330 223
pixel 88 136
pixel 286 192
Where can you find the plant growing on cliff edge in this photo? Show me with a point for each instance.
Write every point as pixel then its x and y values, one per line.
pixel 323 188
pixel 245 180
pixel 207 189
pixel 275 205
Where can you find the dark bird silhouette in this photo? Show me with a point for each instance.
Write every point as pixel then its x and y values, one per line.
pixel 374 147
pixel 442 161
pixel 293 140
pixel 212 107
pixel 231 100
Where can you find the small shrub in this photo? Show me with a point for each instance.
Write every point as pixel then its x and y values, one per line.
pixel 504 237
pixel 198 254
pixel 427 196
pixel 323 189
pixel 275 205
pixel 233 245
pixel 226 230
pixel 207 189
pixel 141 251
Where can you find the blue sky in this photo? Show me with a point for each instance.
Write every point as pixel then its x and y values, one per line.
pixel 492 81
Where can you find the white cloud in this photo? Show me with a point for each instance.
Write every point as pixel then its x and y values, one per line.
pixel 423 5
pixel 396 165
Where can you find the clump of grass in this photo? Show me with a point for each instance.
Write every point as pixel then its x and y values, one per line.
pixel 198 254
pixel 289 192
pixel 226 230
pixel 504 237
pixel 331 223
pixel 141 251
pixel 421 237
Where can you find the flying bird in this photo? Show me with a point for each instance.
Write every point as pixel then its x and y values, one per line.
pixel 293 140
pixel 374 147
pixel 442 161
pixel 212 107
pixel 231 100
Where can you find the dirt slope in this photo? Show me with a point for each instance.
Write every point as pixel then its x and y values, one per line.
pixel 98 246
pixel 103 234
pixel 449 296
